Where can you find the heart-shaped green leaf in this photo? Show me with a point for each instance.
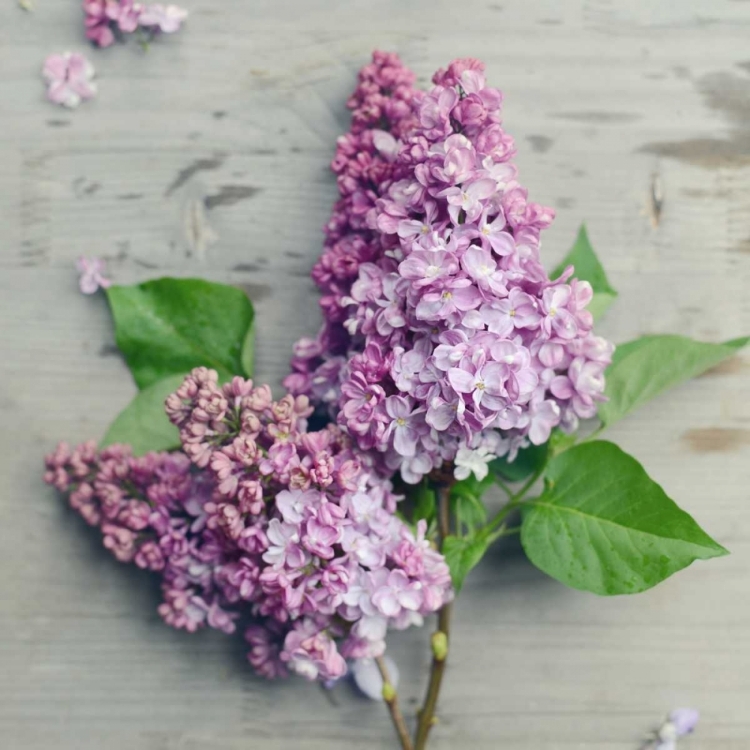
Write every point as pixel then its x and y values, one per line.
pixel 643 368
pixel 143 423
pixel 588 268
pixel 463 553
pixel 168 326
pixel 603 525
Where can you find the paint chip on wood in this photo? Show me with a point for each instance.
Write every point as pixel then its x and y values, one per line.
pixel 199 165
pixel 228 195
pixel 716 439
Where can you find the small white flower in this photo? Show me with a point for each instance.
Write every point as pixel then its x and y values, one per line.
pixel 470 461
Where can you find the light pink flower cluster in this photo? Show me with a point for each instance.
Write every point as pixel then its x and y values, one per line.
pixel 443 334
pixel 106 20
pixel 259 519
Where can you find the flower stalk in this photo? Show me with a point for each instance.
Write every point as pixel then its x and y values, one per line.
pixel 390 696
pixel 440 639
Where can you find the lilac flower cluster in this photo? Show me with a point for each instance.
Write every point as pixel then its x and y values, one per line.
pixel 258 518
pixel 105 20
pixel 444 338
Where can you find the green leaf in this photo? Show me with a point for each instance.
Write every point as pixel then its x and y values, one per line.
pixel 463 553
pixel 643 368
pixel 466 500
pixel 247 357
pixel 603 525
pixel 560 441
pixel 143 423
pixel 425 503
pixel 528 461
pixel 588 268
pixel 169 326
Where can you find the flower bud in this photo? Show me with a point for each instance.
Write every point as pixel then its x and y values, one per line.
pixel 439 645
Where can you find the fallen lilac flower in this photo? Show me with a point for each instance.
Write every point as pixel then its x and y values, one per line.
pixel 109 20
pixel 683 720
pixel 165 18
pixel 70 79
pixel 105 18
pixel 92 276
pixel 679 723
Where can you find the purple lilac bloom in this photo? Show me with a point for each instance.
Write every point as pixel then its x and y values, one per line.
pixel 680 722
pixel 684 720
pixel 106 20
pixel 260 520
pixel 443 336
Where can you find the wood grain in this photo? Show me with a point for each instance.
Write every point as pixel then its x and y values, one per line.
pixel 208 157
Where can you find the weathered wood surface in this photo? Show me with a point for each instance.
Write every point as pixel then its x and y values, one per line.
pixel 239 112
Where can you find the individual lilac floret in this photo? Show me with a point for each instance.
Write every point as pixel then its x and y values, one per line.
pixel 444 339
pixel 257 518
pixel 684 720
pixel 108 20
pixel 474 462
pixel 680 722
pixel 164 18
pixel 69 78
pixel 91 275
pixel 98 22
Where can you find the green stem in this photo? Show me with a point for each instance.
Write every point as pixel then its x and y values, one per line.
pixel 593 435
pixel 426 715
pixel 529 484
pixel 499 518
pixel 509 531
pixel 390 696
pixel 515 501
pixel 426 718
pixel 503 486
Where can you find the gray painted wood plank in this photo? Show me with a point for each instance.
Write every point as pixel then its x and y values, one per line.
pixel 244 105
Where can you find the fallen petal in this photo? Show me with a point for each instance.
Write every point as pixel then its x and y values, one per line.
pixel 367 677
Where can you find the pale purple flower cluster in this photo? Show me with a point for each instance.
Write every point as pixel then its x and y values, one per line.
pixel 106 20
pixel 259 518
pixel 451 337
